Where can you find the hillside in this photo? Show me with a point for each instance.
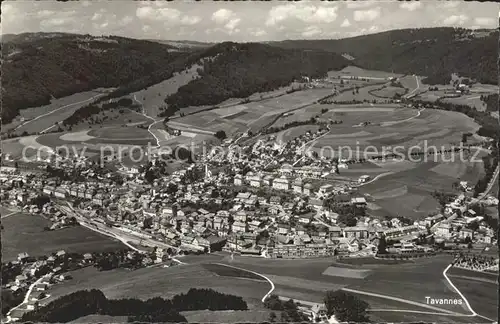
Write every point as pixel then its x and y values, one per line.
pixel 232 70
pixel 37 67
pixel 432 52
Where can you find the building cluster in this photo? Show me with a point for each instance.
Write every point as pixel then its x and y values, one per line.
pixel 268 199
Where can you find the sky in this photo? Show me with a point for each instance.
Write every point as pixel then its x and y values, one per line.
pixel 209 21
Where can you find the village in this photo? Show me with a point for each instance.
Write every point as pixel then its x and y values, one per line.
pixel 270 200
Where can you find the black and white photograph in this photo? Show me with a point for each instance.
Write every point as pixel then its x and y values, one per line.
pixel 249 161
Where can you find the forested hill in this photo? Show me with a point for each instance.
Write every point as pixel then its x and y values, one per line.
pixel 432 52
pixel 235 70
pixel 37 66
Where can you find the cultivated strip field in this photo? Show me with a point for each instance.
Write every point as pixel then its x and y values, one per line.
pixel 40 119
pixel 25 233
pixel 153 97
pixel 163 282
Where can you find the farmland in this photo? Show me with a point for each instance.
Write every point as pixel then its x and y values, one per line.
pixel 40 118
pixel 25 233
pixel 163 282
pixel 153 97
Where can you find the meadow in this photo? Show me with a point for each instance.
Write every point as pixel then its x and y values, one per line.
pixel 25 233
pixel 163 282
pixel 37 119
pixel 153 97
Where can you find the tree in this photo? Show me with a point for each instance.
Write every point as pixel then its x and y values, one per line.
pixel 346 307
pixel 272 317
pixel 382 245
pixel 221 135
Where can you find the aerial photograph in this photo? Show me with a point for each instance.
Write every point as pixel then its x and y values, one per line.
pixel 249 162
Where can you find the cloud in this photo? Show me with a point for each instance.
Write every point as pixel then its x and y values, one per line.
pixel 486 21
pixel 96 16
pixel 311 31
pixel 456 20
pixel 168 15
pixel 307 14
pixel 345 23
pixel 367 15
pixel 410 6
pixel 222 15
pixel 450 4
pixel 45 13
pixel 257 32
pixel 231 24
pixel 227 18
pixel 359 4
pixel 190 20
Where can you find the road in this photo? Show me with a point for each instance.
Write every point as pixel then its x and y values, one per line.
pixel 9 214
pixel 490 185
pixel 413 91
pixel 154 121
pixel 26 297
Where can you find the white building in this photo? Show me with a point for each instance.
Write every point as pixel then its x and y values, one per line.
pixel 281 183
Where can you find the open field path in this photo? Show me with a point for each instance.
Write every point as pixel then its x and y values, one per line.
pixel 154 121
pixel 9 214
pixel 56 110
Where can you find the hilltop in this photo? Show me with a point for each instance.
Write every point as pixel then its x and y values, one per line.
pixel 432 52
pixel 37 67
pixel 236 70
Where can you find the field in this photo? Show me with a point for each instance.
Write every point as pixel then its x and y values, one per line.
pixel 395 282
pixel 253 115
pixel 163 282
pixel 355 71
pixel 24 233
pixel 388 92
pixel 403 187
pixel 252 316
pixel 153 97
pixel 37 119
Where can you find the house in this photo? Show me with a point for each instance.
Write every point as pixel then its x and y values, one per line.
pixel 465 232
pixel 268 180
pixel 443 230
pixel 20 279
pixel 297 186
pixel 60 253
pixel 60 193
pixel 324 190
pixel 334 231
pixel 240 216
pixel 22 256
pixel 286 170
pixel 255 181
pixel 238 180
pixel 87 258
pixel 307 189
pixel 359 232
pixel 275 200
pixel 218 222
pixel 358 201
pixel 431 220
pixel 316 203
pixel 239 227
pixel 281 183
pixel 254 225
pixel 283 229
pixel 305 219
pixel 363 179
pixel 347 244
